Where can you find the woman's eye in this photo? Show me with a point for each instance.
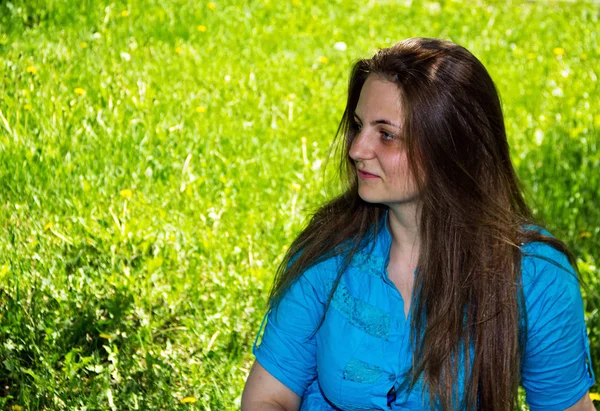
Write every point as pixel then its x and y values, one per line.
pixel 387 136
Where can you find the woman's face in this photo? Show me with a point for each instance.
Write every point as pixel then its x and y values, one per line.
pixel 377 149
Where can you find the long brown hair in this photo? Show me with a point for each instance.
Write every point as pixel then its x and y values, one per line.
pixel 468 291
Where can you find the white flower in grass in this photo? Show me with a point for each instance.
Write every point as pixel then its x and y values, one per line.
pixel 340 46
pixel 539 137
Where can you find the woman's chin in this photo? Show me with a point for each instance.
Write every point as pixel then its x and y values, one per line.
pixel 369 197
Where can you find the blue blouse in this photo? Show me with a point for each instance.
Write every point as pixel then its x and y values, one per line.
pixel 362 349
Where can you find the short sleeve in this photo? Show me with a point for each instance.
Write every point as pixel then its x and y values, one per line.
pixel 556 370
pixel 287 350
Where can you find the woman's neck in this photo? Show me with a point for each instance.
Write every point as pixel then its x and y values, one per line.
pixel 403 224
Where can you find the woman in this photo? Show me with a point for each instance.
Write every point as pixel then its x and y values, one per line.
pixel 426 284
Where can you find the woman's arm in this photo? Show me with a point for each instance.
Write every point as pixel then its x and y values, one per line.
pixel 556 370
pixel 263 392
pixel 584 404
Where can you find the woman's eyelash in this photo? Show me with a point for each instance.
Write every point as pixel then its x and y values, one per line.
pixel 391 136
pixel 387 136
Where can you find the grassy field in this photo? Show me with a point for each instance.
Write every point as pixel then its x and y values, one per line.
pixel 157 158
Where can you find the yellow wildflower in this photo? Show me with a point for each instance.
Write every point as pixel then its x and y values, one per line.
pixel 124 13
pixel 178 50
pixel 576 131
pixel 595 396
pixel 31 70
pixel 188 400
pixel 106 336
pixel 201 109
pixel 530 56
pixel 585 234
pixel 17 408
pixel 559 51
pixel 83 44
pixel 212 6
pixel 79 91
pixel 27 107
pixel 295 187
pixel 201 28
pixel 323 59
pixel 47 226
pixel 126 193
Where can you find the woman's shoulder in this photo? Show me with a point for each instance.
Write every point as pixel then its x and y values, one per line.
pixel 325 269
pixel 539 256
pixel 546 271
pixel 320 274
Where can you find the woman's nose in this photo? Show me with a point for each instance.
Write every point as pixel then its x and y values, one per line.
pixel 361 147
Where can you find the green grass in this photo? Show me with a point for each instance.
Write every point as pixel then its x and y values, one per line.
pixel 143 215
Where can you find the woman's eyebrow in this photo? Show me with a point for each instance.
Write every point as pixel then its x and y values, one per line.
pixel 380 121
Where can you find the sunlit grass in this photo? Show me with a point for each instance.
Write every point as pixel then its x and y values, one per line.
pixel 156 158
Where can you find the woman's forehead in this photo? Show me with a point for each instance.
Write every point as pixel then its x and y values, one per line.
pixel 379 97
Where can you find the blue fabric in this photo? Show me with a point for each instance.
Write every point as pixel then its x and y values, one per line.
pixel 362 350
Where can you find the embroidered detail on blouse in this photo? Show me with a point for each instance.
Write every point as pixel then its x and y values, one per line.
pixel 360 371
pixel 368 318
pixel 368 263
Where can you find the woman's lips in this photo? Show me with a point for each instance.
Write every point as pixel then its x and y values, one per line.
pixel 365 175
